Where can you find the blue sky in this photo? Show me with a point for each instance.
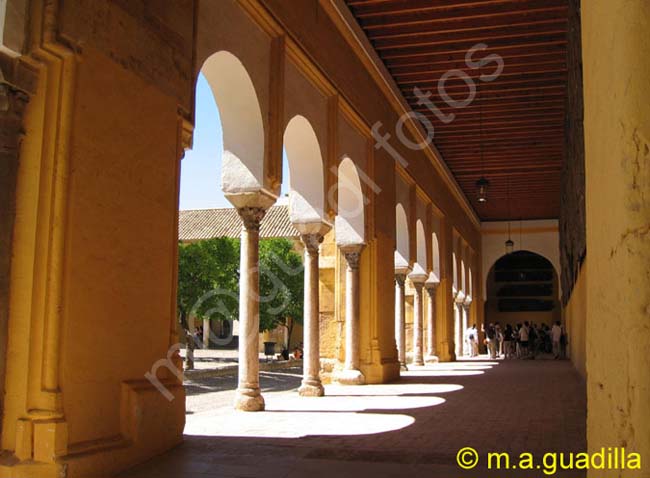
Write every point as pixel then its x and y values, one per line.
pixel 201 167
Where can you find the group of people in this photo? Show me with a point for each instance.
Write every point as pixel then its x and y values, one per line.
pixel 523 341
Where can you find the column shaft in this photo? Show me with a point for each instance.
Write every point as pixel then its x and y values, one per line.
pixel 400 319
pixel 311 383
pixel 418 358
pixel 431 324
pixel 351 374
pixel 352 314
pixel 248 396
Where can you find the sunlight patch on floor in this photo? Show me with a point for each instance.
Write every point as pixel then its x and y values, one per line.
pixel 294 424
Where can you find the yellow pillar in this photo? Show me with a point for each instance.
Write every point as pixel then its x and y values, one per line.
pixel 616 68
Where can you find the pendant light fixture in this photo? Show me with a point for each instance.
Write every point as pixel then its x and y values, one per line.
pixel 510 245
pixel 482 185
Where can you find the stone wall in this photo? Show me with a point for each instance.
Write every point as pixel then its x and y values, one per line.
pixel 572 214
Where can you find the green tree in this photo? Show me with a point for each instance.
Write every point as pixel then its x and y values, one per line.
pixel 208 282
pixel 281 285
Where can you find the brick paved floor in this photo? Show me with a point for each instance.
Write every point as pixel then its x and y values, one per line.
pixel 413 427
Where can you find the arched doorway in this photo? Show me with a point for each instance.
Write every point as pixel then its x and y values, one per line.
pixel 522 286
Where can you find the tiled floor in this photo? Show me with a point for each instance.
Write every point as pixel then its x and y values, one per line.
pixel 414 427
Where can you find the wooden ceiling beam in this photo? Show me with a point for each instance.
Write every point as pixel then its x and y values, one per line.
pixel 458 57
pixel 494 45
pixel 382 7
pixel 527 70
pixel 493 11
pixel 487 35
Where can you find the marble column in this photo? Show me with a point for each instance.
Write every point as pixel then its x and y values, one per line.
pixel 400 317
pixel 351 375
pixel 466 316
pixel 431 323
pixel 418 317
pixel 458 324
pixel 311 384
pixel 248 396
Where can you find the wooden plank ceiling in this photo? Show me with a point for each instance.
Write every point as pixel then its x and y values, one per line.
pixel 515 121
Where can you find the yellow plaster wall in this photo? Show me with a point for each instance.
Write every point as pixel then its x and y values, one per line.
pixel 119 234
pixel 616 62
pixel 575 322
pixel 116 288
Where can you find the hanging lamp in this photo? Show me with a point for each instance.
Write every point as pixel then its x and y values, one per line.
pixel 482 185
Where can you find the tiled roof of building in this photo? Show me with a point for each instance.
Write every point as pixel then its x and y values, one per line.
pixel 197 224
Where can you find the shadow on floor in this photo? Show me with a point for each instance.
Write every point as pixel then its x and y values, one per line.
pixel 513 407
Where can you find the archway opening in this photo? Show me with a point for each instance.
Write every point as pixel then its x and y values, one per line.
pixel 305 166
pixel 350 220
pixel 522 287
pixel 402 253
pixel 241 120
pixel 420 266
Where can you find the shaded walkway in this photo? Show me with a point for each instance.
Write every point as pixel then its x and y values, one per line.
pixel 411 428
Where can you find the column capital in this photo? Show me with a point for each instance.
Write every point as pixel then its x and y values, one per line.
pixel 431 290
pixel 251 216
pixel 400 279
pixel 312 242
pixel 431 287
pixel 352 254
pixel 417 279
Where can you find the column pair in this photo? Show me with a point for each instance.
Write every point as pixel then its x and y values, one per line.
pixel 248 395
pixel 467 347
pixel 418 279
pixel 400 315
pixel 458 323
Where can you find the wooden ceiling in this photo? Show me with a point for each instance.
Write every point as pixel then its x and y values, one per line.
pixel 515 121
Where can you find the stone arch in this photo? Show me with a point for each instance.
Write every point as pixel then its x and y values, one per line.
pixel 241 120
pixel 522 285
pixel 402 253
pixel 470 284
pixel 421 252
pixel 463 277
pixel 350 220
pixel 306 186
pixel 435 257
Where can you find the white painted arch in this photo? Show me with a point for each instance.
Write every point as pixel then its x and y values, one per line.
pixel 463 277
pixel 454 271
pixel 402 252
pixel 350 215
pixel 420 266
pixel 241 120
pixel 435 258
pixel 306 179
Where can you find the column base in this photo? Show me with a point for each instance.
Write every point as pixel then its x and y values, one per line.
pixel 403 367
pixel 431 359
pixel 418 363
pixel 249 400
pixel 311 388
pixel 351 377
